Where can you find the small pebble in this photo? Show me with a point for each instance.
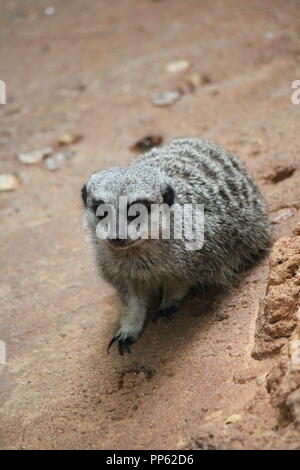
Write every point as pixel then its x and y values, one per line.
pixel 269 34
pixel 56 161
pixel 261 379
pixel 177 66
pixel 35 156
pixel 284 215
pixel 49 11
pixel 9 182
pixel 165 98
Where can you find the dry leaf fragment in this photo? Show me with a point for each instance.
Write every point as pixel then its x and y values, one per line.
pixel 147 143
pixel 280 173
pixel 67 139
pixel 205 79
pixel 194 80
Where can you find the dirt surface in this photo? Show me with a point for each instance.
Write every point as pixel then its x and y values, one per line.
pixel 91 68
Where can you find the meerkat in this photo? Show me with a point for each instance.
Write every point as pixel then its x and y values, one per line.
pixel 154 276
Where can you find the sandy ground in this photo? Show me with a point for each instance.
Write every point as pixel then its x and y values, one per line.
pixel 90 69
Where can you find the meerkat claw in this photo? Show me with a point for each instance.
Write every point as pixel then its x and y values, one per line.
pixel 123 344
pixel 124 347
pixel 114 338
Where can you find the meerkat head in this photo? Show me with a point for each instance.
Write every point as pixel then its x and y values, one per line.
pixel 119 201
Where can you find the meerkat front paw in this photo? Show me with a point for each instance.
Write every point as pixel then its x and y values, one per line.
pixel 124 338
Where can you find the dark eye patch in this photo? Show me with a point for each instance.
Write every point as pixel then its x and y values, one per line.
pixel 132 217
pixel 84 194
pixel 95 205
pixel 144 202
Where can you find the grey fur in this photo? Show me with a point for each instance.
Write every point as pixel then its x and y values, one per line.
pixel 156 275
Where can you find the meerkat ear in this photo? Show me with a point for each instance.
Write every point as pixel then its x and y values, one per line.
pixel 84 194
pixel 169 195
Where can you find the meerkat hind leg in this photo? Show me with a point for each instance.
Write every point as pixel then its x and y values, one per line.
pixel 172 299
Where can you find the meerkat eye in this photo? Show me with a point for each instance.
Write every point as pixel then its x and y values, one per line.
pixel 134 208
pixel 132 217
pixel 95 205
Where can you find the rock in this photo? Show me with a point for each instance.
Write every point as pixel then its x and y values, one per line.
pixel 269 34
pixel 165 98
pixel 35 156
pixel 261 379
pixel 284 380
pixel 277 312
pixel 283 215
pixel 56 161
pixel 177 66
pixel 9 182
pixel 49 11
